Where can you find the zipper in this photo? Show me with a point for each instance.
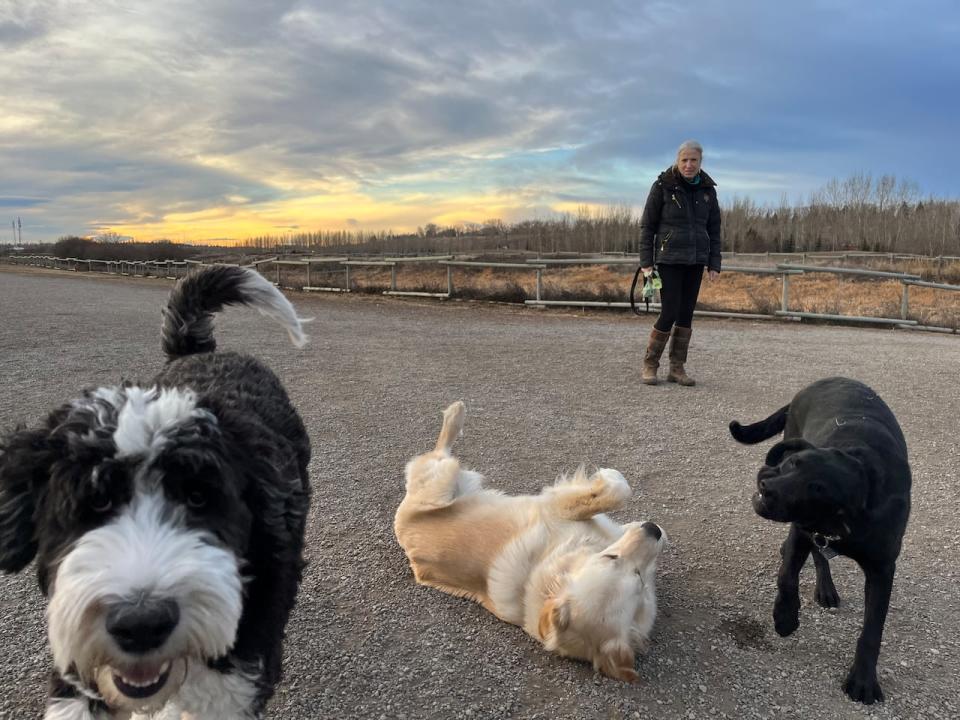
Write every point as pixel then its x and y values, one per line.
pixel 663 243
pixel 673 197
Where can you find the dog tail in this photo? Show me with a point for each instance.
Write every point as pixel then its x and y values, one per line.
pixel 760 431
pixel 188 316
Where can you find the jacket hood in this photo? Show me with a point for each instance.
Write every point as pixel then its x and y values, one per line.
pixel 671 178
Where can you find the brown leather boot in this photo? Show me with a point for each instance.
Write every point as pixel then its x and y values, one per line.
pixel 651 358
pixel 679 344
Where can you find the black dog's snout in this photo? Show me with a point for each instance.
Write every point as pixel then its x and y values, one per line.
pixel 652 529
pixel 141 626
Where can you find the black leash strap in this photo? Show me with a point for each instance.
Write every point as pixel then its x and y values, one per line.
pixel 633 293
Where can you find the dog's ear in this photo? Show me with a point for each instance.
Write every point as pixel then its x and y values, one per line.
pixel 783 448
pixel 25 460
pixel 615 658
pixel 554 616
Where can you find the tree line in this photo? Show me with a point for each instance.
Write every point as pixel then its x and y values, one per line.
pixel 859 213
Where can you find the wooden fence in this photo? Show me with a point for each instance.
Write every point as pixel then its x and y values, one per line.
pixel 328 268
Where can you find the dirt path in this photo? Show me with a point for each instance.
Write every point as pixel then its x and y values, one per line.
pixel 545 390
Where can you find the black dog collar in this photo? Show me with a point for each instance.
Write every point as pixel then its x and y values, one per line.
pixel 823 544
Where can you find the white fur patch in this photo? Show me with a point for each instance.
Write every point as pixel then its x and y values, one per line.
pixel 144 552
pixel 148 415
pixel 68 709
pixel 511 571
pixel 210 695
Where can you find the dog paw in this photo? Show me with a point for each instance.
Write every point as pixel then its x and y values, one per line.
pixel 786 620
pixel 827 597
pixel 862 686
pixel 786 612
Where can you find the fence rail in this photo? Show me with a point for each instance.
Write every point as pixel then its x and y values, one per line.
pixel 341 265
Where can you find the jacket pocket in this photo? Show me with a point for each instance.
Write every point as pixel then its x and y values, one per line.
pixel 663 243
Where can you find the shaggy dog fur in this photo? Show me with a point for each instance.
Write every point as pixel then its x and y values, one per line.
pixel 167 523
pixel 840 476
pixel 551 563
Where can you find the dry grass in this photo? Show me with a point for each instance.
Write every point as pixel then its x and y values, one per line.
pixel 734 291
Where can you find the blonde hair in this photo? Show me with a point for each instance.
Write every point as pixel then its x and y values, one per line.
pixel 690 145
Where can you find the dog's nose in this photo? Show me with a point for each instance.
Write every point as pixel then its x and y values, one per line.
pixel 141 626
pixel 652 529
pixel 766 489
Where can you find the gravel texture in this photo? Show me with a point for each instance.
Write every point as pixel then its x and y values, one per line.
pixel 545 391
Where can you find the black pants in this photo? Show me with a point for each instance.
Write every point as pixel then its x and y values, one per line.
pixel 678 296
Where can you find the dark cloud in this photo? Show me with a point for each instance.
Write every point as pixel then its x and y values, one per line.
pixel 162 106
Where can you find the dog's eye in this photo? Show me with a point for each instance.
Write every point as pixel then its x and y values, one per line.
pixel 101 504
pixel 196 500
pixel 612 557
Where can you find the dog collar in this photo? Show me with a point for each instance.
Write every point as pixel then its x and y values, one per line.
pixel 823 544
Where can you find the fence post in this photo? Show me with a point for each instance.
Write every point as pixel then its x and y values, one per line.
pixel 309 284
pixel 346 280
pixel 449 281
pixel 393 278
pixel 905 302
pixel 539 279
pixel 785 294
pixel 278 274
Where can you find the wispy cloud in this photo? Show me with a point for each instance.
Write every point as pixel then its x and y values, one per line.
pixel 228 119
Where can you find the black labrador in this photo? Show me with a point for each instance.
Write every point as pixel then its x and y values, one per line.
pixel 840 476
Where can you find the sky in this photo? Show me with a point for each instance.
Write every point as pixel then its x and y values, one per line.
pixel 211 120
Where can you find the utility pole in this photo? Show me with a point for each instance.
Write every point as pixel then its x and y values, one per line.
pixel 19 232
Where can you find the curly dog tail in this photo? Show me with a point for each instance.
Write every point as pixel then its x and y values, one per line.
pixel 760 431
pixel 188 316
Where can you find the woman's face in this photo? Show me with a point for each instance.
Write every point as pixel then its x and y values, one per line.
pixel 688 162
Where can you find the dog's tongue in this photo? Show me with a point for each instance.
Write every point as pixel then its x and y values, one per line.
pixel 141 673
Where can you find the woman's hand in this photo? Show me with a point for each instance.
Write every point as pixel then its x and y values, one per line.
pixel 647 270
pixel 712 275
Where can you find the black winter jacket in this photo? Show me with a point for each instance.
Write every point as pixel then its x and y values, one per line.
pixel 683 220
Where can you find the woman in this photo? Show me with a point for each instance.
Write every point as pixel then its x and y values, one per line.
pixel 679 236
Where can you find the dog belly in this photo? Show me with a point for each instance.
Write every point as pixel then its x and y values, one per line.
pixel 453 548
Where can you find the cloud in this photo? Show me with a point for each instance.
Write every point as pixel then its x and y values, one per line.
pixel 159 117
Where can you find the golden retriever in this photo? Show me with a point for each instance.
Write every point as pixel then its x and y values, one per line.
pixel 551 563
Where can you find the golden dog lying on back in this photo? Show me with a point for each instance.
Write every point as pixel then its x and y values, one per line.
pixel 551 563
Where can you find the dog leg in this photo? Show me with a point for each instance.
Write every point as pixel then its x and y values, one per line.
pixel 452 426
pixel 861 684
pixel 581 498
pixel 786 608
pixel 826 593
pixel 431 483
pixel 434 479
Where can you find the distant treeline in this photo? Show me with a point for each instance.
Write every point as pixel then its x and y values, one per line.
pixel 86 249
pixel 859 213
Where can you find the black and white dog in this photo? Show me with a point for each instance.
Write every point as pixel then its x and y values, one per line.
pixel 840 476
pixel 167 521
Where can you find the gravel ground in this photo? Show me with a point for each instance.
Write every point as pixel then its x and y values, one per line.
pixel 545 391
